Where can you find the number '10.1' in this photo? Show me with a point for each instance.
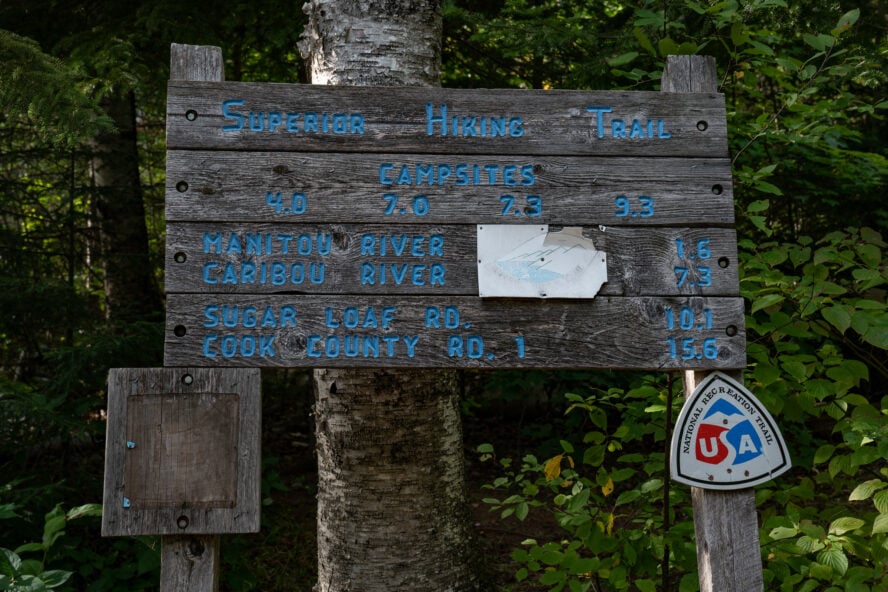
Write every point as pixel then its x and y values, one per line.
pixel 687 319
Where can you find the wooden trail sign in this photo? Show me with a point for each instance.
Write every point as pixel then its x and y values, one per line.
pixel 340 226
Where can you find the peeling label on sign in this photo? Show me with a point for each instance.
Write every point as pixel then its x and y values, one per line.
pixel 532 261
pixel 724 438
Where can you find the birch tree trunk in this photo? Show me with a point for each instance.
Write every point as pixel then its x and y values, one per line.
pixel 392 508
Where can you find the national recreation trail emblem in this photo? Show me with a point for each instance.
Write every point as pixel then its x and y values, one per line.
pixel 725 439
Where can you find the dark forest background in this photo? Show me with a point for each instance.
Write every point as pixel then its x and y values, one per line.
pixel 82 99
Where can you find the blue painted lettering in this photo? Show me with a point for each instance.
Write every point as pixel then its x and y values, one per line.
pixel 233 316
pixel 618 128
pixel 279 121
pixel 236 117
pixel 353 346
pixel 458 174
pixel 434 317
pixel 372 274
pixel 471 125
pixel 401 244
pixel 599 117
pixel 383 174
pixel 636 129
pixel 245 346
pixel 310 122
pixel 352 317
pixel 471 347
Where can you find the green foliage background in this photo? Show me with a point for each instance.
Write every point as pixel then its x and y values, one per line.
pixel 805 85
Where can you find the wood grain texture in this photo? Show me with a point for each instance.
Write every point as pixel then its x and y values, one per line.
pixel 348 259
pixel 182 450
pixel 166 496
pixel 555 122
pixel 233 186
pixel 190 563
pixel 227 330
pixel 196 62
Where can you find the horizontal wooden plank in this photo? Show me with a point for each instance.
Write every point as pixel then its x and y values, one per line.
pixel 378 331
pixel 295 117
pixel 426 259
pixel 308 187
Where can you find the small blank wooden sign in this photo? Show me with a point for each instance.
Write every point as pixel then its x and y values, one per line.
pixel 182 451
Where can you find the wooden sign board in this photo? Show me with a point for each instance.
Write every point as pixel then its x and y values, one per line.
pixel 316 118
pixel 182 451
pixel 339 226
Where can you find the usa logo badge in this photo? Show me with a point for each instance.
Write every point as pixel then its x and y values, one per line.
pixel 724 438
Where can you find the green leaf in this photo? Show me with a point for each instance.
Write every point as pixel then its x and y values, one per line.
pixel 10 563
pixel 7 511
pixel 840 526
pixel 766 187
pixel 838 317
pixel 880 524
pixel 667 47
pixel 870 254
pixel 739 33
pixel 485 448
pixel 766 301
pixel 31 547
pixel 820 41
pixel 54 578
pixel 553 577
pixel 783 532
pixel 809 544
pixel 866 490
pixel 53 529
pixel 644 41
pixel 521 511
pixel 758 206
pixel 646 585
pixel 835 558
pixel 880 500
pixel 84 511
pixel 846 21
pixel 824 453
pixel 623 59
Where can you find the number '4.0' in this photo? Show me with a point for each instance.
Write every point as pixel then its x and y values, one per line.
pixel 296 204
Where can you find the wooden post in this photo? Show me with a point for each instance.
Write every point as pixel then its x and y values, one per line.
pixel 725 522
pixel 191 563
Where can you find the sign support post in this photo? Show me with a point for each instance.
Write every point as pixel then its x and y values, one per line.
pixel 725 522
pixel 192 562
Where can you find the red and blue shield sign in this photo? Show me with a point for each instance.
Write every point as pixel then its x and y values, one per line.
pixel 725 439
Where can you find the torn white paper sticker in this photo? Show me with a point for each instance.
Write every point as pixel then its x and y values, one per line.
pixel 529 261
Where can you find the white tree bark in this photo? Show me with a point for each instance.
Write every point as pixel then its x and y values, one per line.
pixel 373 42
pixel 392 504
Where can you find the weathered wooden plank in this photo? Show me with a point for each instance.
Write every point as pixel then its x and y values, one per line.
pixel 234 186
pixel 182 451
pixel 353 119
pixel 426 259
pixel 378 331
pixel 190 563
pixel 196 62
